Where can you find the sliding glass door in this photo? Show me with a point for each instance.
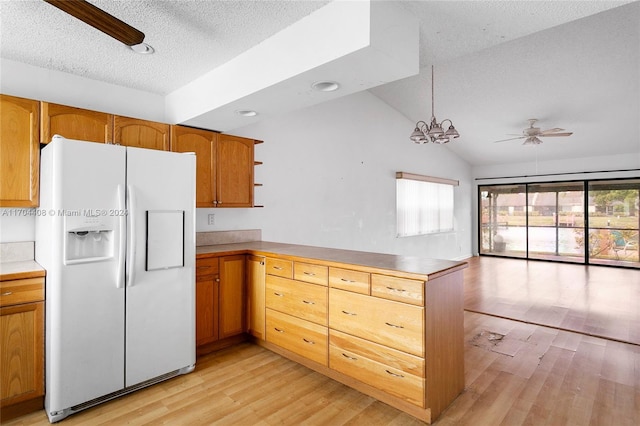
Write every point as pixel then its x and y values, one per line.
pixel 503 220
pixel 556 221
pixel 593 222
pixel 614 222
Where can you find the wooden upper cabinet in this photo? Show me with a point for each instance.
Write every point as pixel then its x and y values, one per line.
pixel 140 133
pixel 202 142
pixel 74 123
pixel 19 152
pixel 234 183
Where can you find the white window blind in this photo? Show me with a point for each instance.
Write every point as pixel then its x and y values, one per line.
pixel 424 204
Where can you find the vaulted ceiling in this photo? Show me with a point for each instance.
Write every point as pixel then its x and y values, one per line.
pixel 570 64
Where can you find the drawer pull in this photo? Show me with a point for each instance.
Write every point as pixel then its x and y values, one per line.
pixel 309 273
pixel 278 294
pixel 401 290
pixel 278 268
pixel 349 357
pixel 347 281
pixel 393 325
pixel 7 293
pixel 394 374
pixel 309 302
pixel 349 313
pixel 278 330
pixel 311 342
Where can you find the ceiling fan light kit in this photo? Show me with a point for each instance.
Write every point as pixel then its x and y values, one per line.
pixel 434 133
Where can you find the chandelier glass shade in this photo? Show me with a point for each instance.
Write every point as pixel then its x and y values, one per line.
pixel 433 132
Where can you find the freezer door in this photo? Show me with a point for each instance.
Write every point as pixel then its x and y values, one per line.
pixel 78 241
pixel 160 285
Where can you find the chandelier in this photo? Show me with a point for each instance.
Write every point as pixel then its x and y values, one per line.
pixel 433 132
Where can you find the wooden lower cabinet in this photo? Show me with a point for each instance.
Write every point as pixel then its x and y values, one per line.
pixel 255 296
pixel 220 302
pixel 232 296
pixel 305 338
pixel 393 371
pixel 399 339
pixel 21 346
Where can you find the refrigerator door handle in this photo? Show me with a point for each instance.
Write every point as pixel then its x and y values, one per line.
pixel 122 228
pixel 132 235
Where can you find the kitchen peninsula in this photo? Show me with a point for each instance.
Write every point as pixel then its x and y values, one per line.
pixel 390 326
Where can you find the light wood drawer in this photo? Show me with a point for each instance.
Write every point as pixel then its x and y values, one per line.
pixel 302 337
pixel 310 273
pixel 394 324
pixel 279 267
pixel 355 362
pixel 347 279
pixel 302 300
pixel 400 289
pixel 207 266
pixel 15 292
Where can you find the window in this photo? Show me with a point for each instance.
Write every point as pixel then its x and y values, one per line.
pixel 594 221
pixel 424 204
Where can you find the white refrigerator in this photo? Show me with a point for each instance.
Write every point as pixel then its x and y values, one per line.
pixel 115 231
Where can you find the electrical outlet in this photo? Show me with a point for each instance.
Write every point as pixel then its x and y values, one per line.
pixel 211 219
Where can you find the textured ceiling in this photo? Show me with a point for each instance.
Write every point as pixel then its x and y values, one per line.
pixel 571 64
pixel 189 37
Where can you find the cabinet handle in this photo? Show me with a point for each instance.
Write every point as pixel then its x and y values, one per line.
pixel 309 302
pixel 347 281
pixel 349 357
pixel 7 293
pixel 278 330
pixel 394 374
pixel 349 313
pixel 278 268
pixel 217 280
pixel 309 273
pixel 393 325
pixel 311 342
pixel 396 289
pixel 278 294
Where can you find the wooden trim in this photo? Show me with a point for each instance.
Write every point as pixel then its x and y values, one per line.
pixel 422 178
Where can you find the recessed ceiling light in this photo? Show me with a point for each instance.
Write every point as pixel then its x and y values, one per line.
pixel 246 113
pixel 142 48
pixel 325 86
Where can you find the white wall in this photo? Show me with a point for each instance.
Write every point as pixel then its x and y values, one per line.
pixel 329 180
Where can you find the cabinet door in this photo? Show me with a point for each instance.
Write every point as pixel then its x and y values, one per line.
pixel 256 293
pixel 19 152
pixel 140 133
pixel 207 309
pixel 74 123
pixel 21 352
pixel 202 142
pixel 234 172
pixel 232 283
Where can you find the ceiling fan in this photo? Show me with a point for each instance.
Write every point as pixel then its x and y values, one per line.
pixel 532 134
pixel 101 20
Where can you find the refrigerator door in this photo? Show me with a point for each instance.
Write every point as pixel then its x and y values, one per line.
pixel 79 241
pixel 160 284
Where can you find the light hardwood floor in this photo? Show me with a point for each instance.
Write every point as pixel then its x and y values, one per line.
pixel 595 300
pixel 516 373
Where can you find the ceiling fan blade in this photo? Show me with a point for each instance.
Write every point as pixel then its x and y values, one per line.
pixel 510 139
pixel 554 130
pixel 101 20
pixel 556 134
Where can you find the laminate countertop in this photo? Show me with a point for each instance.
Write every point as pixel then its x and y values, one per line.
pixel 408 266
pixel 20 269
